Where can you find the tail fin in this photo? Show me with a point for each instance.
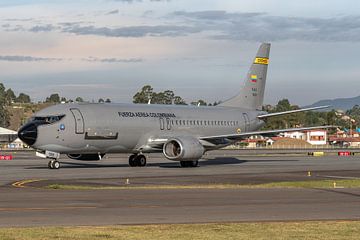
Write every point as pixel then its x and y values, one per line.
pixel 251 95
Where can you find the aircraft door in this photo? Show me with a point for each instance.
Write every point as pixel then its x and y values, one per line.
pixel 79 121
pixel 246 121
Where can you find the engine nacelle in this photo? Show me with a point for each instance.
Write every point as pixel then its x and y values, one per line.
pixel 183 149
pixel 86 157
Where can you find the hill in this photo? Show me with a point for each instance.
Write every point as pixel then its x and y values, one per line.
pixel 338 103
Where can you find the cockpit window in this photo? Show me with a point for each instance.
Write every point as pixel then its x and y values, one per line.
pixel 48 119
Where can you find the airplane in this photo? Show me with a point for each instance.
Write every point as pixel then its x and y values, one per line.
pixel 88 131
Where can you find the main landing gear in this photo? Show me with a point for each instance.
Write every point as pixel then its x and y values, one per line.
pixel 187 164
pixel 137 160
pixel 54 164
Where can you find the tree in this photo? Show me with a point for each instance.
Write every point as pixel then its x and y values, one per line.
pixel 4 114
pixel 54 98
pixel 79 99
pixel 199 103
pixel 283 105
pixel 23 98
pixel 10 96
pixel 144 95
pixel 168 97
pixel 108 100
pixel 285 121
pixel 101 100
pixel 217 103
pixel 179 101
pixel 158 98
pixel 63 99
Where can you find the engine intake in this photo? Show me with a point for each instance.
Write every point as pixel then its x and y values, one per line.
pixel 183 149
pixel 86 157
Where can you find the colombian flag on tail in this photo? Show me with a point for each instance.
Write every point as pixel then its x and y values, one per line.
pixel 253 78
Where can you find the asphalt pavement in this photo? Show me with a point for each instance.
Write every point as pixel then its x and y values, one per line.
pixel 31 205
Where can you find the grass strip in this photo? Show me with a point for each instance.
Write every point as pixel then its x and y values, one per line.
pixel 330 230
pixel 339 183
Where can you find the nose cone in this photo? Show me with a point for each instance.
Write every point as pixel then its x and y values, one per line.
pixel 28 134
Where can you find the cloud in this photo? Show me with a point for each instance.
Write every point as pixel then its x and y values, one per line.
pixel 132 1
pixel 219 25
pixel 264 27
pixel 18 58
pixel 114 60
pixel 116 11
pixel 19 19
pixel 43 28
pixel 27 59
pixel 134 31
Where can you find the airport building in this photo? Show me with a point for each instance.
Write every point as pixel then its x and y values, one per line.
pixel 9 139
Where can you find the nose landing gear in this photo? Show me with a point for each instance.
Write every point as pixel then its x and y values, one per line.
pixel 137 160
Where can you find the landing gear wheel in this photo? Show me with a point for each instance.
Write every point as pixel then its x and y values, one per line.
pixel 183 164
pixel 137 160
pixel 56 165
pixel 141 160
pixel 53 164
pixel 194 163
pixel 132 160
pixel 50 164
pixel 186 164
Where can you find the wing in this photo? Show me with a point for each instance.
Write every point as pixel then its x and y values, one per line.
pixel 216 141
pixel 240 136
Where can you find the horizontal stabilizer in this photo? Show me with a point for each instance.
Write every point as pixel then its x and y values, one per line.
pixel 289 112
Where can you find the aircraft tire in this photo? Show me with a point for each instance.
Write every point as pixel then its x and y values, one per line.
pixel 141 161
pixel 56 164
pixel 186 164
pixel 132 160
pixel 50 164
pixel 194 163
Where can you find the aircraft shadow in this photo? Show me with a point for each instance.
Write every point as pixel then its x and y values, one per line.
pixel 210 162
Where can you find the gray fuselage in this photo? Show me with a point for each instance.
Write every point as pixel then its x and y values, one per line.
pixel 130 128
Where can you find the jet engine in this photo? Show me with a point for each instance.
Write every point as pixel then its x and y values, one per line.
pixel 183 149
pixel 86 157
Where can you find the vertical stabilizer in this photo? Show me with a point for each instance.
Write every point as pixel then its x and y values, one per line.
pixel 251 95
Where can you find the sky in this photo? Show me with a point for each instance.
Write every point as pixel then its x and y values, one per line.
pixel 200 49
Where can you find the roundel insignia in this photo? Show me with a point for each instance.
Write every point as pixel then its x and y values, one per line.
pixel 62 127
pixel 238 130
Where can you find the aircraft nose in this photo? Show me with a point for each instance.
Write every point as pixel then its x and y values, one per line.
pixel 28 134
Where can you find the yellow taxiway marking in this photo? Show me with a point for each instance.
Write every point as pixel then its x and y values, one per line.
pixel 22 184
pixel 43 209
